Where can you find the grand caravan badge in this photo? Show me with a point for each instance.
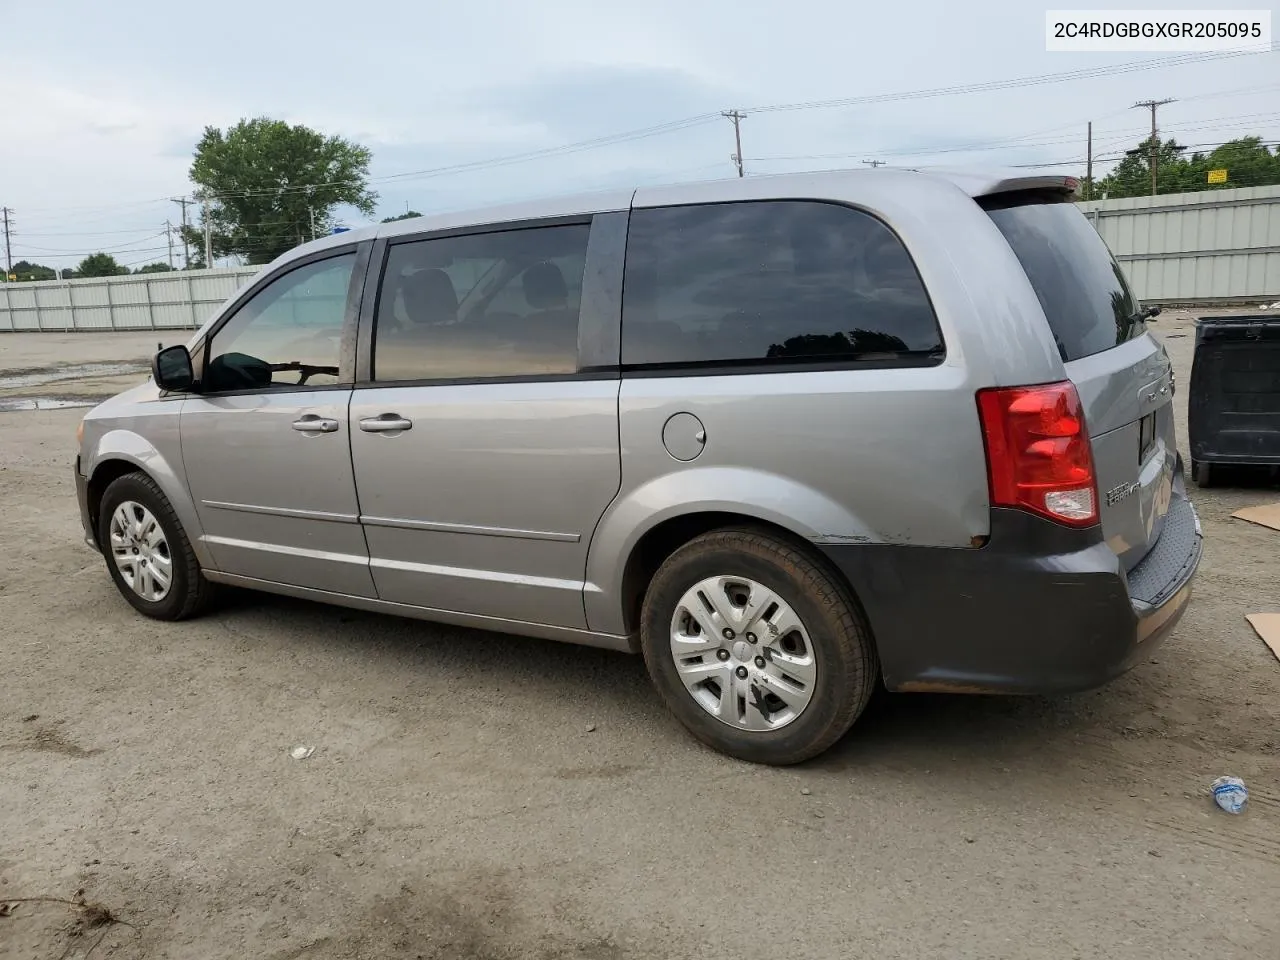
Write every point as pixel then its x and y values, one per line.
pixel 1118 493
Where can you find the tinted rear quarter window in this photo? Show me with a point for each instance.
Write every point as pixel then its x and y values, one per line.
pixel 774 282
pixel 1081 288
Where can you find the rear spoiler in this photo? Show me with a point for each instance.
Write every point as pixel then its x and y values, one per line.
pixel 1007 183
pixel 1021 191
pixel 1053 184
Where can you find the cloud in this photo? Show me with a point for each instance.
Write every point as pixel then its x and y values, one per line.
pixel 103 111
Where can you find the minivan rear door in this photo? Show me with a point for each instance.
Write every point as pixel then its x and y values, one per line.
pixel 1121 372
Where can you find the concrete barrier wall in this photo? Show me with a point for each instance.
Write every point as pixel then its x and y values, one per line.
pixel 151 301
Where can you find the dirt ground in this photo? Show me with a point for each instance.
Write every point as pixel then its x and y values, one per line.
pixel 481 796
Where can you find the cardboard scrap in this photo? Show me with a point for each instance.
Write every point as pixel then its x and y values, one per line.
pixel 1267 626
pixel 1268 515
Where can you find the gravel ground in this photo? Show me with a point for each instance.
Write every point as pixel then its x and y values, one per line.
pixel 480 796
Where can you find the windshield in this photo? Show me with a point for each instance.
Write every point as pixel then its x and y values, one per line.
pixel 1084 294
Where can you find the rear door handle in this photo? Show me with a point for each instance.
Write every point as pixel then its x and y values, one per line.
pixel 387 423
pixel 313 424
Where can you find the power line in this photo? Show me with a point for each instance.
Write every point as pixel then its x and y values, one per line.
pixel 692 121
pixel 79 233
pixel 138 263
pixel 547 152
pixel 1120 156
pixel 1036 80
pixel 687 122
pixel 126 248
pixel 1103 138
pixel 627 137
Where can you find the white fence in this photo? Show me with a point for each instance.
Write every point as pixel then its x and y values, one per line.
pixel 1219 246
pixel 1214 246
pixel 149 301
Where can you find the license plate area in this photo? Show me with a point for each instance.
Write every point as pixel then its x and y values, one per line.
pixel 1146 437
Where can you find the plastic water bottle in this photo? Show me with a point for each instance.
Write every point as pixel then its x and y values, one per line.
pixel 1229 793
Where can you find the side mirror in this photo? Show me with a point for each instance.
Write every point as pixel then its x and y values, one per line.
pixel 172 370
pixel 1151 312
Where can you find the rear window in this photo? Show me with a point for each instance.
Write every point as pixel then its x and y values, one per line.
pixel 1084 294
pixel 771 283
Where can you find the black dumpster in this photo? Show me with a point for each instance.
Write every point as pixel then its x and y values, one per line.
pixel 1233 407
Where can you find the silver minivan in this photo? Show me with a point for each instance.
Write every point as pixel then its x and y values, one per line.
pixel 788 437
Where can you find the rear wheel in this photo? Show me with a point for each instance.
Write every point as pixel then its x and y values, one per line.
pixel 755 647
pixel 147 551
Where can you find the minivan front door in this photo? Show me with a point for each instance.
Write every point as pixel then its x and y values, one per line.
pixel 265 441
pixel 483 455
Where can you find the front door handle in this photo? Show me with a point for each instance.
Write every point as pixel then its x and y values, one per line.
pixel 313 424
pixel 387 423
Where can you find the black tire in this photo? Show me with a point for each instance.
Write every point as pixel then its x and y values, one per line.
pixel 189 592
pixel 1202 473
pixel 846 659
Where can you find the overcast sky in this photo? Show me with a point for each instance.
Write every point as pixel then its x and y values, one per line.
pixel 105 101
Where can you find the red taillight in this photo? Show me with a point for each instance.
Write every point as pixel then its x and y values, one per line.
pixel 1038 454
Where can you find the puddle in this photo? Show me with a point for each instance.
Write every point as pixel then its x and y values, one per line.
pixel 39 376
pixel 9 404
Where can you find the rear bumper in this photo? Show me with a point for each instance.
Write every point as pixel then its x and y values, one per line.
pixel 82 495
pixel 1038 609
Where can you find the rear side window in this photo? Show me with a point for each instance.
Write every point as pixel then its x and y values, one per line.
pixel 774 282
pixel 498 304
pixel 1085 296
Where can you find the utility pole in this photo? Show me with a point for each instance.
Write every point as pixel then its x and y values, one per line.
pixel 1088 165
pixel 1155 144
pixel 8 252
pixel 737 116
pixel 186 250
pixel 312 213
pixel 168 235
pixel 875 163
pixel 203 197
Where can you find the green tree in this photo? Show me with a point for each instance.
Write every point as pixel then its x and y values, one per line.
pixel 100 265
pixel 268 186
pixel 1248 162
pixel 157 267
pixel 1132 175
pixel 407 215
pixel 25 270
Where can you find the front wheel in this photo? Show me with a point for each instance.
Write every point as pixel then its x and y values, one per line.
pixel 147 551
pixel 756 648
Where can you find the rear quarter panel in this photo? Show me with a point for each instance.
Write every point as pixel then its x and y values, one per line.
pixel 870 456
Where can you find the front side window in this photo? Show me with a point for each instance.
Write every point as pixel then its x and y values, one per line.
pixel 497 304
pixel 288 334
pixel 771 282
